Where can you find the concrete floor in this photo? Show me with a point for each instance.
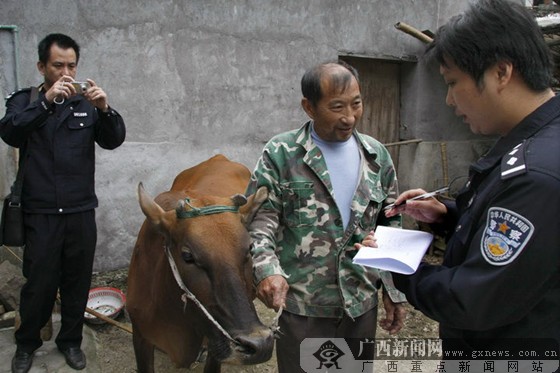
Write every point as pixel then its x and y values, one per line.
pixel 47 358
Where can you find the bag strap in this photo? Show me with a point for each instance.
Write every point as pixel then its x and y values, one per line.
pixel 18 183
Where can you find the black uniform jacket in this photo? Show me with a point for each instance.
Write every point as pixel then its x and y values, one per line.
pixel 57 145
pixel 501 272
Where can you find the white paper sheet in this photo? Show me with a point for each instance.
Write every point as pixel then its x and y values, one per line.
pixel 399 250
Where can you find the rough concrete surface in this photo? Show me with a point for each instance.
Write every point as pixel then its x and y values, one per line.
pixel 199 77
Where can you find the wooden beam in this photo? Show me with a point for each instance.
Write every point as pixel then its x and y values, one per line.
pixel 414 32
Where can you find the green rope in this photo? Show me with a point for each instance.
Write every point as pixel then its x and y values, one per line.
pixel 206 210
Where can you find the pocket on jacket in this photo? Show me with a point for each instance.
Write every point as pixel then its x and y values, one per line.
pixel 81 131
pixel 298 204
pixel 369 218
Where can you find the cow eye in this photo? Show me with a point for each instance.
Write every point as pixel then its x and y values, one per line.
pixel 187 255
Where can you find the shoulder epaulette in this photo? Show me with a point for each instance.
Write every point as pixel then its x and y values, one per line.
pixel 17 92
pixel 513 163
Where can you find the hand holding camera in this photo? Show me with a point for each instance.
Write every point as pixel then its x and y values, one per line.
pixel 97 96
pixel 66 87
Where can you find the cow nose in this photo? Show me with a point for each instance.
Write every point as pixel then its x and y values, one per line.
pixel 257 346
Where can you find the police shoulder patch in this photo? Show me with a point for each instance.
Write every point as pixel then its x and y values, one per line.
pixel 513 163
pixel 505 236
pixel 17 92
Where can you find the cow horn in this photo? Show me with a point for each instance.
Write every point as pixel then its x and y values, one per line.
pixel 239 199
pixel 149 207
pixel 180 207
pixel 255 201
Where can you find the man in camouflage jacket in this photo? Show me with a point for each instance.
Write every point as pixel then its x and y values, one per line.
pixel 302 253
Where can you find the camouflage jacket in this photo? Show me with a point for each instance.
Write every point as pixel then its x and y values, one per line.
pixel 298 232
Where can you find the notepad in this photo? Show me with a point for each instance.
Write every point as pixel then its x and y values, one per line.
pixel 399 250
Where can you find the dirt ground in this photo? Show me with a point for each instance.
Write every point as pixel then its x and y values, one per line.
pixel 116 354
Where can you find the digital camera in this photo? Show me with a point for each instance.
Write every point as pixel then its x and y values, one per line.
pixel 81 87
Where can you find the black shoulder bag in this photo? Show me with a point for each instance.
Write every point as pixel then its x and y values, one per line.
pixel 11 222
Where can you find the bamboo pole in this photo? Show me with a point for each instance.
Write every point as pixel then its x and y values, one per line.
pixel 444 167
pixel 123 326
pixel 404 142
pixel 414 32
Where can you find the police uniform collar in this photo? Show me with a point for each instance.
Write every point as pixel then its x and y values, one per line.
pixel 538 119
pixel 527 128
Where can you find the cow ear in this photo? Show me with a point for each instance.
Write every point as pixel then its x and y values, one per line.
pixel 254 202
pixel 154 213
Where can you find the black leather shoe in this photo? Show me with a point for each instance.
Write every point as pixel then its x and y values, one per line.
pixel 75 357
pixel 21 363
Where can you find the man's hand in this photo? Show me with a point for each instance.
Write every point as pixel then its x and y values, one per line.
pixel 395 314
pixel 60 91
pixel 369 241
pixel 272 291
pixel 97 96
pixel 426 210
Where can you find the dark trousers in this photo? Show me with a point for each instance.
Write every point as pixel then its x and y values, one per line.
pixel 58 254
pixel 294 329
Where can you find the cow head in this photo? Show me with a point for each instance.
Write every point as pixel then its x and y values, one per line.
pixel 209 242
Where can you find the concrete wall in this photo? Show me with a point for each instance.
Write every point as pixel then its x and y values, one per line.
pixel 193 78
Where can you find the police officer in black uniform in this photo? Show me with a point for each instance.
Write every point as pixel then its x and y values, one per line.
pixel 56 133
pixel 500 278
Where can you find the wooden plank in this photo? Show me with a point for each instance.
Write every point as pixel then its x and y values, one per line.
pixel 380 87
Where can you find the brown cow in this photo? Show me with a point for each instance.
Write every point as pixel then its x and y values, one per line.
pixel 208 242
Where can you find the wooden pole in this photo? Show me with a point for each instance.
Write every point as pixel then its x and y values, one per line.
pixel 109 320
pixel 414 32
pixel 443 149
pixel 404 142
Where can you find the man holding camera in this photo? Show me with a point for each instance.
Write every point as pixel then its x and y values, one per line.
pixel 56 127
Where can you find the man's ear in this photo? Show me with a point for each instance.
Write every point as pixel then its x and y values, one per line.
pixel 504 69
pixel 41 67
pixel 502 74
pixel 308 107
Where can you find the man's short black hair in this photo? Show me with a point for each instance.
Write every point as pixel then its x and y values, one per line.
pixel 63 41
pixel 491 31
pixel 311 80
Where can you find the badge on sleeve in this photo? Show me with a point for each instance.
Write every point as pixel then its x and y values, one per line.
pixel 505 236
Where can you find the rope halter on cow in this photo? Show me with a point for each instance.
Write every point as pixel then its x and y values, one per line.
pixel 193 212
pixel 188 294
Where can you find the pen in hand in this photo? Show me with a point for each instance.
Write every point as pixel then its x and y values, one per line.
pixel 421 196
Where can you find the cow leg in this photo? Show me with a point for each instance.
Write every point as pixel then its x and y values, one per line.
pixel 212 365
pixel 144 352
